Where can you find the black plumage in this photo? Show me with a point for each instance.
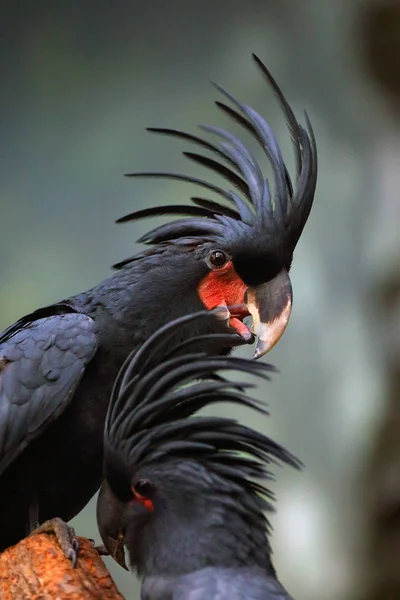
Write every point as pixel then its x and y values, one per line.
pixel 185 493
pixel 58 364
pixel 267 225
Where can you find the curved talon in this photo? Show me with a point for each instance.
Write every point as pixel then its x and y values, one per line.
pixel 72 555
pixel 73 552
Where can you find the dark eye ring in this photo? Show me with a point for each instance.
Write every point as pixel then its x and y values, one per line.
pixel 217 259
pixel 143 487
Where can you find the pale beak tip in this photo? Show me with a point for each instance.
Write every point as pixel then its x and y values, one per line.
pixel 123 565
pixel 270 305
pixel 262 349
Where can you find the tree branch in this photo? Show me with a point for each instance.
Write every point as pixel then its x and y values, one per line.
pixel 37 568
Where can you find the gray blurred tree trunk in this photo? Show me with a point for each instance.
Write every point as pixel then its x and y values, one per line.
pixel 380 31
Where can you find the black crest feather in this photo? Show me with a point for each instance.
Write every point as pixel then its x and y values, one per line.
pixel 275 219
pixel 152 413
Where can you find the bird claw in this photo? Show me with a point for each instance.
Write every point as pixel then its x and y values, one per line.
pixel 65 536
pixel 101 549
pixel 73 556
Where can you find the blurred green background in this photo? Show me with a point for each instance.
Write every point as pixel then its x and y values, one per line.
pixel 80 81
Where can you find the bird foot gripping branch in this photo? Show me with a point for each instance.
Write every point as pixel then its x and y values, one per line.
pixel 65 535
pixel 36 568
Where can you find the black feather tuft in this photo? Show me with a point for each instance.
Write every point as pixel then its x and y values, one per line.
pixel 152 413
pixel 270 223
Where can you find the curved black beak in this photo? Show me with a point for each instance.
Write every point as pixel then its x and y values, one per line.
pixel 109 513
pixel 270 305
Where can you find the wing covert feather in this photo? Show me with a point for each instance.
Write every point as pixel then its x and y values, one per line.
pixel 41 365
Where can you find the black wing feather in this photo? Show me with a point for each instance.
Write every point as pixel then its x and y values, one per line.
pixel 41 365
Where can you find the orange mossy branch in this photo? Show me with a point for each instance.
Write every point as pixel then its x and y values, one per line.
pixel 37 568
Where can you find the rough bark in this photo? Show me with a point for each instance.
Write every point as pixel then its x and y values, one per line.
pixel 36 568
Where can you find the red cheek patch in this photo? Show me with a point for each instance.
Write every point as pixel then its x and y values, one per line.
pixel 146 502
pixel 222 287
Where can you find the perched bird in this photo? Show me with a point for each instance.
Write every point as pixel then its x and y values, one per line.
pixel 58 364
pixel 185 493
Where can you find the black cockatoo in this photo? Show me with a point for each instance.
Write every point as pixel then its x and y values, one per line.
pixel 58 364
pixel 186 493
